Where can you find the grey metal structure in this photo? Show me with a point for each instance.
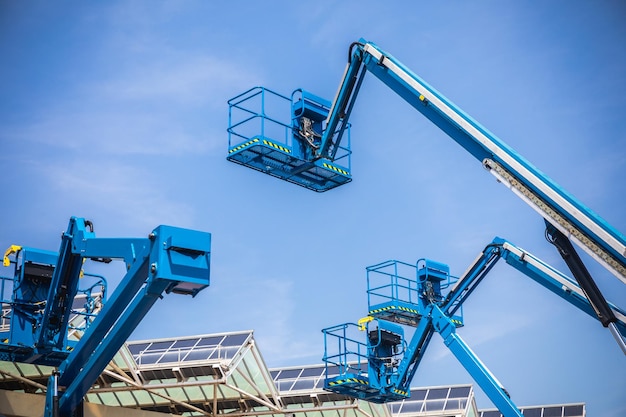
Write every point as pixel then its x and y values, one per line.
pixel 225 374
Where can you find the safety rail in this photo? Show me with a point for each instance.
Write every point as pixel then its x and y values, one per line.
pixel 6 290
pixel 252 113
pixel 392 281
pixel 399 291
pixel 285 148
pixel 344 352
pixel 364 367
pixel 94 296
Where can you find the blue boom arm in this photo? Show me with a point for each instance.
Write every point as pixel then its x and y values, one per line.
pixel 559 208
pixel 421 304
pixel 565 216
pixel 169 260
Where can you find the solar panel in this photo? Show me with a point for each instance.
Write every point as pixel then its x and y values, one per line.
pixel 459 392
pixel 574 410
pixel 299 379
pixel 435 401
pixel 531 412
pixel 569 410
pixel 553 412
pixel 418 394
pixel 235 339
pixel 438 393
pixel 188 349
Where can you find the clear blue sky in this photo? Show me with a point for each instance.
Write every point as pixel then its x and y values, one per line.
pixel 116 112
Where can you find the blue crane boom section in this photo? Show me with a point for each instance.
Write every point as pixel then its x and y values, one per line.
pixel 558 207
pixel 169 260
pixel 386 374
pixel 315 139
pixel 306 168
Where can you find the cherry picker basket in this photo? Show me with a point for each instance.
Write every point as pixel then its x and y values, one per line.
pixel 260 138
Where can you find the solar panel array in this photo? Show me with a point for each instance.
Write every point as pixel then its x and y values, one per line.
pixel 435 400
pixel 189 349
pixel 569 410
pixel 180 370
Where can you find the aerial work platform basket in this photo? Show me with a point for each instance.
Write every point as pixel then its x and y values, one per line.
pixel 400 292
pixel 366 370
pixel 260 138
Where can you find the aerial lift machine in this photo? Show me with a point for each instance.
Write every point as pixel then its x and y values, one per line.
pixel 43 291
pixel 312 150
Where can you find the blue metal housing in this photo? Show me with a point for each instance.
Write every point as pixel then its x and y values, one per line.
pixel 25 296
pixel 399 294
pixel 427 298
pixel 285 149
pixel 365 370
pixel 169 260
pixel 421 301
pixel 564 212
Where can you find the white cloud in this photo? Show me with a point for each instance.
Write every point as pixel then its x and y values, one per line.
pixel 128 194
pixel 174 78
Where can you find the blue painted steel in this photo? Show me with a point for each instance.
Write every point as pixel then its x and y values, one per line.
pixel 555 281
pixel 33 270
pixel 474 138
pixel 260 140
pixel 367 371
pixel 171 259
pixel 52 396
pixel 483 377
pixel 400 292
pixel 26 294
pixel 421 306
pixel 63 287
pixel 557 206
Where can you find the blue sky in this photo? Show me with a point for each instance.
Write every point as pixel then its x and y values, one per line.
pixel 117 112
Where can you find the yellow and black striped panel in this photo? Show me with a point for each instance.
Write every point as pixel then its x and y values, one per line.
pixel 257 141
pixel 336 169
pixel 456 322
pixel 348 381
pixel 244 145
pixel 400 392
pixel 276 146
pixel 404 309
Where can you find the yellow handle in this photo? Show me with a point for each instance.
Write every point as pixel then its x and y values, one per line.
pixel 362 322
pixel 12 249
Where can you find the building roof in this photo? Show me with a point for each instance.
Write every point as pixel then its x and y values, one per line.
pixel 225 373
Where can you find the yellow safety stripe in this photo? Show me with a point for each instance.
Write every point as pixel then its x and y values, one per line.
pixel 276 146
pixel 408 310
pixel 349 380
pixel 336 169
pixel 243 145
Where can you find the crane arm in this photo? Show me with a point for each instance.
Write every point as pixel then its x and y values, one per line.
pixel 559 208
pixel 438 317
pixel 171 259
pixel 542 273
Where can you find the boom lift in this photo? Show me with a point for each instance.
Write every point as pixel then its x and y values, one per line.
pixel 427 298
pixel 45 286
pixel 312 142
